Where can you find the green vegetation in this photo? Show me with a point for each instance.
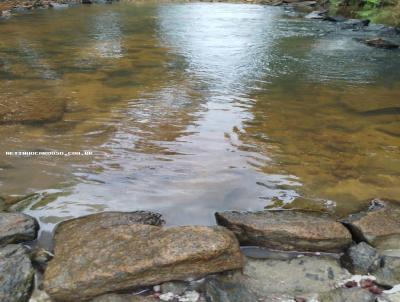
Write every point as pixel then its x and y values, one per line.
pixel 378 11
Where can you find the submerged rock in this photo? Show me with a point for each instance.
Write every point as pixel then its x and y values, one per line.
pixel 287 230
pixel 355 294
pixel 379 226
pixel 362 258
pixel 16 274
pixel 379 43
pixel 108 257
pixel 31 110
pixel 17 227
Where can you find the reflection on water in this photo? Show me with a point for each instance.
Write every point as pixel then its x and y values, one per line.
pixel 194 108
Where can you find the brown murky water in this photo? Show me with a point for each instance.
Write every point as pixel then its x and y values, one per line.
pixel 193 108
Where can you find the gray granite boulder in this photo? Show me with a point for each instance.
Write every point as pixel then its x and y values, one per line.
pixel 362 258
pixel 17 227
pixel 16 274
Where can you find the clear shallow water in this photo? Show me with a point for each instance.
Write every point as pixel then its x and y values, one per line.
pixel 195 108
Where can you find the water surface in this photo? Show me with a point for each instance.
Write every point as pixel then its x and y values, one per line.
pixel 195 108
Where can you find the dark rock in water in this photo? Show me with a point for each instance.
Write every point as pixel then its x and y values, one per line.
pixel 382 29
pixel 319 15
pixel 389 272
pixel 287 230
pixel 16 274
pixel 301 276
pixel 379 226
pixel 347 295
pixel 335 18
pixel 123 298
pixel 96 256
pixel 17 227
pixel 87 2
pixel 362 258
pixel 379 43
pixel 218 290
pixel 354 24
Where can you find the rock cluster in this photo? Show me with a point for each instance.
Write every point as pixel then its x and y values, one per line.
pixel 16 270
pixel 110 256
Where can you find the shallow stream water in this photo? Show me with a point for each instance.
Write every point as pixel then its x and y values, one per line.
pixel 194 108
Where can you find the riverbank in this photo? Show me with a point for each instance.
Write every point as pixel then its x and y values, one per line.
pixel 271 255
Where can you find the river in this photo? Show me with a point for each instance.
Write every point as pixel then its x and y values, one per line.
pixel 191 108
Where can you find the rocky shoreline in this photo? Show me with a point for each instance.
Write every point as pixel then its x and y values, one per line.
pixel 270 255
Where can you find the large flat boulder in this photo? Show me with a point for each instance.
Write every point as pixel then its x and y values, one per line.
pixel 287 230
pixel 109 257
pixel 16 274
pixel 17 227
pixel 379 226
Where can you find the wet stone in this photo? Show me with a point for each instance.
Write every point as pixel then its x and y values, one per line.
pixel 287 230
